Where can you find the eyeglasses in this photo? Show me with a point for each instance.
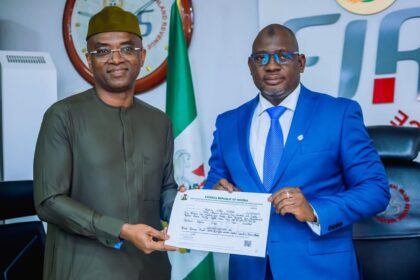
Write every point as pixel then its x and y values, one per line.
pixel 104 54
pixel 280 57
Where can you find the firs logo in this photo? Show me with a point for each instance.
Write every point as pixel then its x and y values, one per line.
pixel 387 54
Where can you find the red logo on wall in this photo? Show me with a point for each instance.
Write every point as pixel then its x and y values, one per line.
pixel 383 90
pixel 402 118
pixel 398 207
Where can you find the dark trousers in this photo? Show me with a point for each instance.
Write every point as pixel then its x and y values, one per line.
pixel 268 273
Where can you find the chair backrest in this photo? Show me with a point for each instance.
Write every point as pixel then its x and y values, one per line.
pixel 22 244
pixel 388 245
pixel 16 199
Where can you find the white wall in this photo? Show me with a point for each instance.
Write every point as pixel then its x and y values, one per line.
pixel 220 45
pixel 328 42
pixel 221 42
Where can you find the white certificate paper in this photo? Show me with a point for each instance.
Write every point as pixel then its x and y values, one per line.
pixel 219 221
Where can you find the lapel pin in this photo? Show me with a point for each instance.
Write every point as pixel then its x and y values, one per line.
pixel 300 137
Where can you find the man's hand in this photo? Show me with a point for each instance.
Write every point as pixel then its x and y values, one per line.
pixel 182 188
pixel 291 200
pixel 224 185
pixel 146 238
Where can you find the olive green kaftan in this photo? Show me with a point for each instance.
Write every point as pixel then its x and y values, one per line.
pixel 97 167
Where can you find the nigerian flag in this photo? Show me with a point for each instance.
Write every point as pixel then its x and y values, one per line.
pixel 188 158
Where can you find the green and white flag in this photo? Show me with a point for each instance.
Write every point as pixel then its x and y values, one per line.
pixel 188 156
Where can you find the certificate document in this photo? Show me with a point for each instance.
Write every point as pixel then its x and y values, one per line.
pixel 219 221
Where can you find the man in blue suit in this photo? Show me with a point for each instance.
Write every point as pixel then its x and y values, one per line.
pixel 328 176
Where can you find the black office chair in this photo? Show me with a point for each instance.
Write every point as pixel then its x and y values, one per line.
pixel 21 244
pixel 388 245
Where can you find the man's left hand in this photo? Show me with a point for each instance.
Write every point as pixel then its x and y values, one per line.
pixel 291 200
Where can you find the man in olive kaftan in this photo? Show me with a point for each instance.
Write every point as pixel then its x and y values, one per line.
pixel 103 173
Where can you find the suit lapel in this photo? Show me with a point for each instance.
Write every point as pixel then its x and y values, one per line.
pixel 244 128
pixel 305 108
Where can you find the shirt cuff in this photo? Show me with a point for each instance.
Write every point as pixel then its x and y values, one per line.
pixel 119 244
pixel 315 226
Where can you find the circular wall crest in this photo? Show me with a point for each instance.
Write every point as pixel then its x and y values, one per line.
pixel 365 7
pixel 398 207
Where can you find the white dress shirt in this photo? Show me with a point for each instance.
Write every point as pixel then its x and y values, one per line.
pixel 260 126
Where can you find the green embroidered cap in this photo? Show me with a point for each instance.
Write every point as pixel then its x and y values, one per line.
pixel 113 19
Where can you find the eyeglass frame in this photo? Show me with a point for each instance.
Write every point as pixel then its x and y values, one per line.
pixel 273 55
pixel 109 56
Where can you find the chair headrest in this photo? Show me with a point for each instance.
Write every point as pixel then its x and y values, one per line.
pixel 396 143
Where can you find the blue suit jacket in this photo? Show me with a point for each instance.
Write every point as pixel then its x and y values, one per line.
pixel 329 155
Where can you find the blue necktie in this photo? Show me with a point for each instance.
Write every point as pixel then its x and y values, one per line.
pixel 273 146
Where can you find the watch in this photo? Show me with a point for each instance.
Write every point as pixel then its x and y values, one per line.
pixel 153 16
